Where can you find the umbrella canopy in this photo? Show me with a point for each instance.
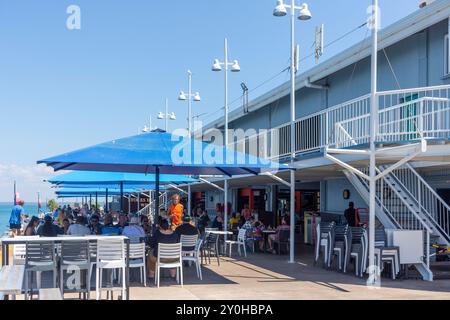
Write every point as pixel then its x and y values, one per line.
pixel 93 191
pixel 114 179
pixel 161 153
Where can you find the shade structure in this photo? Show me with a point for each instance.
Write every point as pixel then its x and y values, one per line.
pixel 161 153
pixel 92 191
pixel 79 179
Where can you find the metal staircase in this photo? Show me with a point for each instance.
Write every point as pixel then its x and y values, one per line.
pixel 395 210
pixel 149 210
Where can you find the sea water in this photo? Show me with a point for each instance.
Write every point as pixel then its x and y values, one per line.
pixel 5 212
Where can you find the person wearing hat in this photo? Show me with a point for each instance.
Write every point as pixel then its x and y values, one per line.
pixel 49 229
pixel 133 229
pixel 188 229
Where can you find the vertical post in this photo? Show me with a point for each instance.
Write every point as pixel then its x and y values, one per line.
pixel 190 103
pixel 96 200
pixel 373 132
pixel 292 197
pixel 189 200
pixel 225 186
pixel 106 205
pixel 166 117
pixel 15 192
pixel 121 196
pixel 156 192
pixel 90 201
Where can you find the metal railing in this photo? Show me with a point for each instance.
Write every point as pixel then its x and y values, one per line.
pixel 428 202
pixel 404 116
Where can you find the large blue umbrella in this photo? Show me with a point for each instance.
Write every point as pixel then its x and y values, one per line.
pixel 111 180
pixel 161 153
pixel 95 178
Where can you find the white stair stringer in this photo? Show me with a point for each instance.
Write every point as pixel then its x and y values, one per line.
pixel 395 215
pixel 422 199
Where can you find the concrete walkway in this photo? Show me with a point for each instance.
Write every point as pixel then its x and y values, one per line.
pixel 266 277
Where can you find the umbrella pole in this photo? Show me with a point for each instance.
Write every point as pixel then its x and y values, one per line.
pixel 121 196
pixel 106 206
pixel 157 192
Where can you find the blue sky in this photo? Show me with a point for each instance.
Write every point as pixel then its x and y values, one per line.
pixel 64 89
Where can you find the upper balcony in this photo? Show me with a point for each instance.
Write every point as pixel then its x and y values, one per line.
pixel 405 116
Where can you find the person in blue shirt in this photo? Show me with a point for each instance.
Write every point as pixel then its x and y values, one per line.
pixel 108 227
pixel 15 220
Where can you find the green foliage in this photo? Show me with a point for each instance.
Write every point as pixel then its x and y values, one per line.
pixel 52 204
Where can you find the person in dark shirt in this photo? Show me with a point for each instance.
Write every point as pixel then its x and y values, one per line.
pixel 218 223
pixel 49 229
pixel 163 235
pixel 203 221
pixel 187 229
pixel 94 225
pixel 351 215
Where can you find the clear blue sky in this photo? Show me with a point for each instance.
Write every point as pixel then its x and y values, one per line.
pixel 64 89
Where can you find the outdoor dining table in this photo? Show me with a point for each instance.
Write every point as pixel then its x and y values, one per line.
pixel 220 233
pixel 6 242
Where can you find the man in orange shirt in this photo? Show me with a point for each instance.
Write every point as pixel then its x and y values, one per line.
pixel 175 211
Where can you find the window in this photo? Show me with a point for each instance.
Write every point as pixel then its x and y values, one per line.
pixel 446 56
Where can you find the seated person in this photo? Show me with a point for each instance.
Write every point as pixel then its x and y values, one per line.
pixel 218 223
pixel 258 235
pixel 133 229
pixel 163 235
pixel 95 226
pixel 123 221
pixel 48 228
pixel 79 228
pixel 145 223
pixel 234 221
pixel 66 226
pixel 203 221
pixel 276 236
pixel 108 227
pixel 188 229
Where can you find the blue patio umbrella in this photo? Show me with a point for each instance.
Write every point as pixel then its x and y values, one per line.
pixel 111 180
pixel 162 153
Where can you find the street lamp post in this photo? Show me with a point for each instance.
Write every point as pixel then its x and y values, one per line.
pixel 235 67
pixel 304 14
pixel 166 116
pixel 189 97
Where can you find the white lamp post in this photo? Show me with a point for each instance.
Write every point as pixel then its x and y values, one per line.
pixel 304 14
pixel 189 97
pixel 235 67
pixel 167 116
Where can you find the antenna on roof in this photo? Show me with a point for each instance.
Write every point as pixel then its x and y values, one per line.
pixel 318 51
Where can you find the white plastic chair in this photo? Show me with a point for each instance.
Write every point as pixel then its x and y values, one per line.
pixel 137 259
pixel 240 242
pixel 110 255
pixel 195 256
pixel 173 252
pixel 188 242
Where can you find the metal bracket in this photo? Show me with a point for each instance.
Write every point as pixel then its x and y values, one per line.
pixel 274 177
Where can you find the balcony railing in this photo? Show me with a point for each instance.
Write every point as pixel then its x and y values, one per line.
pixel 404 116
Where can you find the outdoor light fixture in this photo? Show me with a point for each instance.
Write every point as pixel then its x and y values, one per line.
pixel 182 96
pixel 167 116
pixel 189 96
pixel 280 9
pixel 216 66
pixel 234 67
pixel 304 13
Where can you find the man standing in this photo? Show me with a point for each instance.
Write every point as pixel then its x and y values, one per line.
pixel 175 211
pixel 15 220
pixel 350 215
